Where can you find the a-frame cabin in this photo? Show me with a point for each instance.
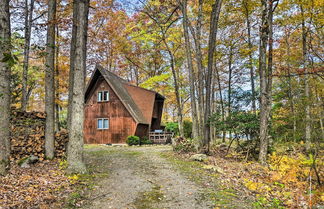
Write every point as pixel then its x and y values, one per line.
pixel 115 109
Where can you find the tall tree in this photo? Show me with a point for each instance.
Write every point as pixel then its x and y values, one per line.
pixel 192 79
pixel 79 41
pixel 200 67
pixel 72 60
pixel 266 40
pixel 49 84
pixel 29 9
pixel 57 81
pixel 208 88
pixel 5 59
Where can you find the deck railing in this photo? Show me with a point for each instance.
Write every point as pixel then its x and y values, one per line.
pixel 160 137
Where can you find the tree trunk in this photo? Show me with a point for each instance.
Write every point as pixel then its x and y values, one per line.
pixel 229 92
pixel 57 84
pixel 211 49
pixel 176 85
pixel 264 118
pixel 28 27
pixel 72 60
pixel 221 102
pixel 307 91
pixel 191 70
pixel 49 84
pixel 75 146
pixel 248 26
pixel 200 68
pixel 5 54
pixel 266 31
pixel 177 93
pixel 270 63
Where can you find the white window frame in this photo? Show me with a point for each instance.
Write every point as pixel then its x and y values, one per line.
pixel 103 123
pixel 103 94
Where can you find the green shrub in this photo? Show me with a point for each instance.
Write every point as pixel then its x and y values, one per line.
pixel 172 127
pixel 133 140
pixel 145 140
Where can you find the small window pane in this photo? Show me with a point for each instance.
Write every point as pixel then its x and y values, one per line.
pixel 106 96
pixel 99 96
pixel 106 124
pixel 100 124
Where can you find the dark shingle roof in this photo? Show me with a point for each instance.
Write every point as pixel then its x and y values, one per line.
pixel 116 83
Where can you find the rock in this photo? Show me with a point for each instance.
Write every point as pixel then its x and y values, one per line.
pixel 25 165
pixel 198 157
pixel 214 168
pixel 25 162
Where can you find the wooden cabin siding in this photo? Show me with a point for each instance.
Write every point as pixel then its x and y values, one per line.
pixel 143 98
pixel 121 123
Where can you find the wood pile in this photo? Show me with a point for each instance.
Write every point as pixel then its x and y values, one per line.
pixel 28 136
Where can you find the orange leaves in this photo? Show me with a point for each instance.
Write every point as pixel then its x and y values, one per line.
pixel 43 184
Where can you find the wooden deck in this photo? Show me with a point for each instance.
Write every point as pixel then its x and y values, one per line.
pixel 160 137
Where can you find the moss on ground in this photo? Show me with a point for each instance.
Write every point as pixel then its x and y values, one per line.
pixel 224 198
pixel 149 199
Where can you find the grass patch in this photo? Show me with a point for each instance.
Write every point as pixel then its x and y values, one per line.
pixel 102 151
pixel 149 198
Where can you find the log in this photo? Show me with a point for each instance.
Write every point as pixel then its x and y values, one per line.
pixel 28 136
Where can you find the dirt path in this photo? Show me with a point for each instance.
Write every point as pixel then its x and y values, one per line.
pixel 138 177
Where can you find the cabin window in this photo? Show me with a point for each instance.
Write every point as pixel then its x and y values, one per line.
pixel 103 123
pixel 103 96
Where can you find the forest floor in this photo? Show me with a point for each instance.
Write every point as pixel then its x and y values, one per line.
pixel 150 177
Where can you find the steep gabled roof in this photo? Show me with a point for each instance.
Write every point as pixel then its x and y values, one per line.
pixel 116 83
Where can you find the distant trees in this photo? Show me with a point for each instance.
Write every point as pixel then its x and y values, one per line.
pixel 163 20
pixel 6 60
pixel 171 46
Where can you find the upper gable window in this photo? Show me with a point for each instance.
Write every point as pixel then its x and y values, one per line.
pixel 103 96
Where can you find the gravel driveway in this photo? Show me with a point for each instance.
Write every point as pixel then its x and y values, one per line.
pixel 138 177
